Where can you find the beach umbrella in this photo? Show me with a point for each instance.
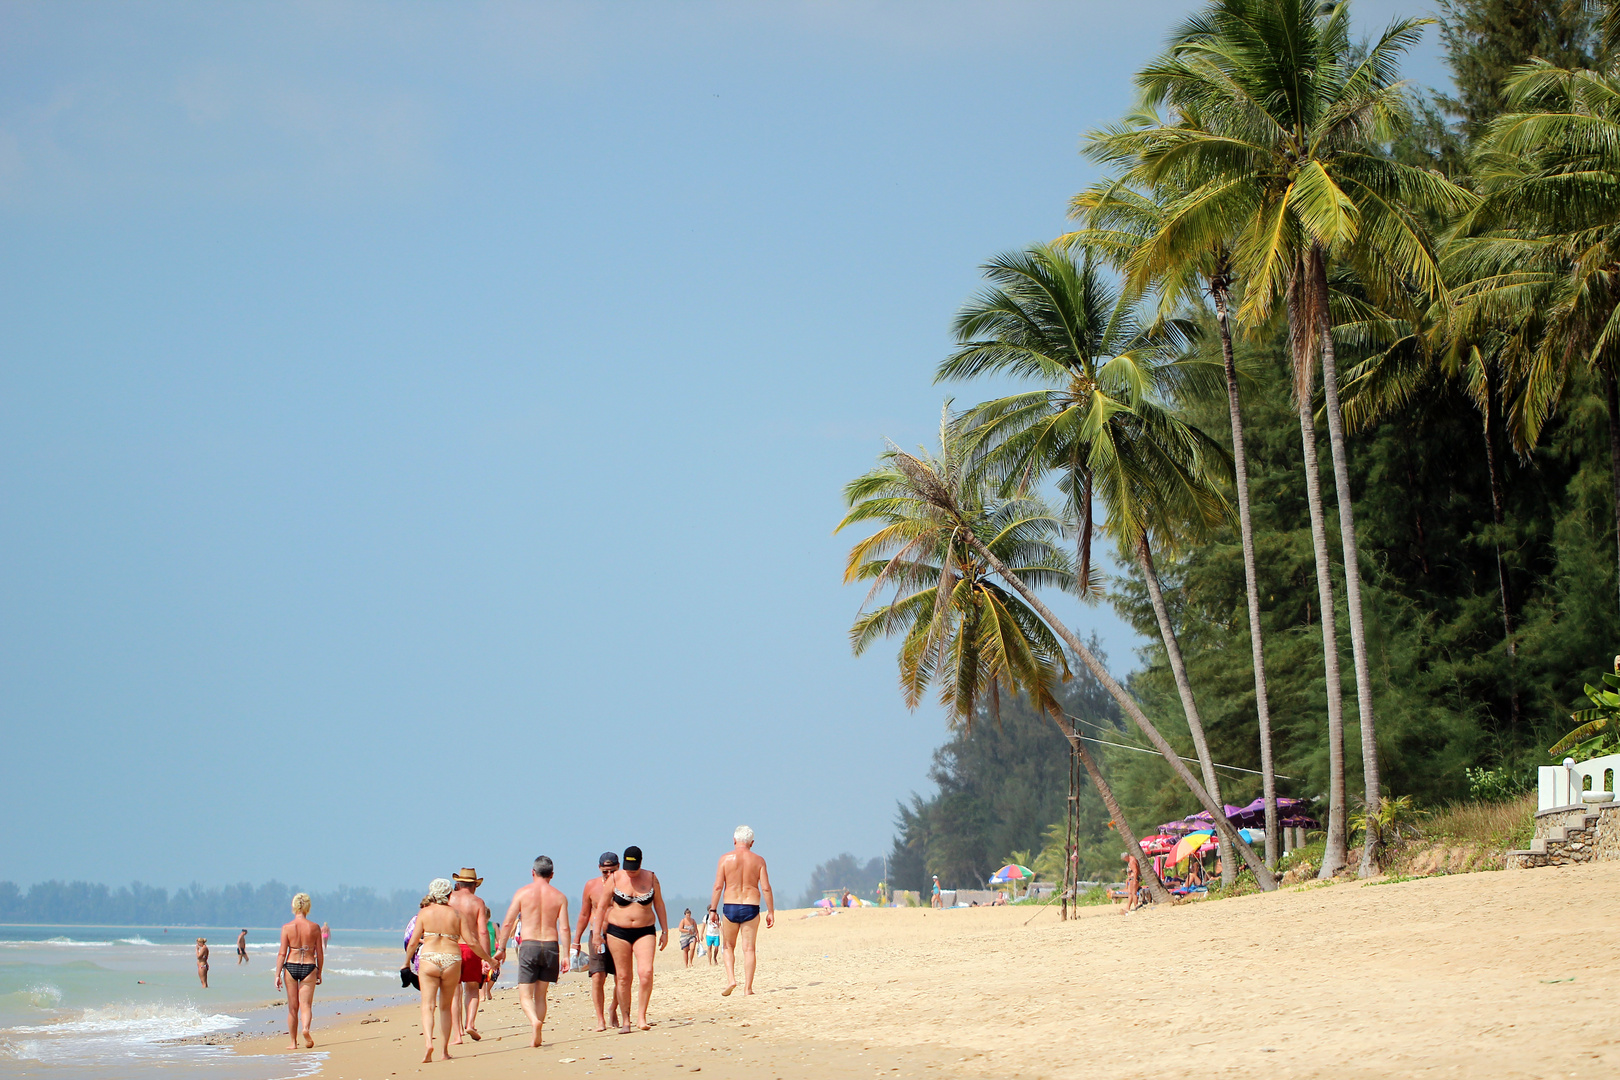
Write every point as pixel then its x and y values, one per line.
pixel 1158 845
pixel 825 901
pixel 1189 845
pixel 1011 872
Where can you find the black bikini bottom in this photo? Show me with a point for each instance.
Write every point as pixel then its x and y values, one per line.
pixel 299 972
pixel 632 934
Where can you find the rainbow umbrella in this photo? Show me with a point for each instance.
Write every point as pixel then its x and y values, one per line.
pixel 1189 845
pixel 1010 873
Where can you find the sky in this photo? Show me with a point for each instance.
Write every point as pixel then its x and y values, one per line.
pixel 422 426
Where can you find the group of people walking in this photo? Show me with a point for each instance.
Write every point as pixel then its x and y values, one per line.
pixel 621 912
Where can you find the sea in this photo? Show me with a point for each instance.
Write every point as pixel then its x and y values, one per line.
pixel 124 1003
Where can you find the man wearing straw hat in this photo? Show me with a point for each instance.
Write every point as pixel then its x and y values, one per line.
pixel 474 927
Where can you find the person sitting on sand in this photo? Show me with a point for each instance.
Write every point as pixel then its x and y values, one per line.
pixel 202 961
pixel 599 963
pixel 741 884
pixel 474 937
pixel 543 958
pixel 439 971
pixel 626 924
pixel 299 961
pixel 688 931
pixel 241 947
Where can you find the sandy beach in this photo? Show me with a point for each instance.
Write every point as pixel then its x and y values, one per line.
pixel 1499 974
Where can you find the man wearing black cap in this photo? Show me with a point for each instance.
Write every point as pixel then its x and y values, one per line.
pixel 601 961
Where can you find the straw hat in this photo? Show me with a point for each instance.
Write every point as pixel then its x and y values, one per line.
pixel 468 876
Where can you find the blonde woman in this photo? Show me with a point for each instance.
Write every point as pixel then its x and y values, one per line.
pixel 299 961
pixel 437 939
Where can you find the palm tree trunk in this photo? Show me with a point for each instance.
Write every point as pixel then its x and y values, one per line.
pixel 1133 846
pixel 1352 564
pixel 1240 461
pixel 1333 856
pixel 1493 466
pixel 1229 836
pixel 1614 453
pixel 1189 705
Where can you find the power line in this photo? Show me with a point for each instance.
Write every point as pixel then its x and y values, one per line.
pixel 1155 753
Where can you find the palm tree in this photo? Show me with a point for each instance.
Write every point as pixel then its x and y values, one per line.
pixel 1095 425
pixel 1286 151
pixel 934 488
pixel 1543 242
pixel 1142 235
pixel 961 629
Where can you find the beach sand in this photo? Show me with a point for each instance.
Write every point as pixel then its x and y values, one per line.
pixel 1501 974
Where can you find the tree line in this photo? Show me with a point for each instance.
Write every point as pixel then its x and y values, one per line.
pixel 1335 379
pixel 84 904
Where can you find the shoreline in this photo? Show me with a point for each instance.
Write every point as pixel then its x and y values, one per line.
pixel 1487 974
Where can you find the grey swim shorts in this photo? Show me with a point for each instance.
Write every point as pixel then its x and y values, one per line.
pixel 538 961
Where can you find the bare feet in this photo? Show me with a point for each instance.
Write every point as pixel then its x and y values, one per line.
pixel 429 1056
pixel 294 1045
pixel 727 991
pixel 474 1033
pixel 309 1043
pixel 645 1026
pixel 537 1028
pixel 624 1029
pixel 457 1040
pixel 602 1027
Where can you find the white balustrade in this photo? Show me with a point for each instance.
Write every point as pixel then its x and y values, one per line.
pixel 1576 782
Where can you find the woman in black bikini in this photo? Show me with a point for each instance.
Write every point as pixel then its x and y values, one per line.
pixel 299 962
pixel 636 897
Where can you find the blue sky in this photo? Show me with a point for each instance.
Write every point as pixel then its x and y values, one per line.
pixel 422 426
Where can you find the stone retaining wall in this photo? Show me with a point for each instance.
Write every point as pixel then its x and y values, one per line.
pixel 1572 834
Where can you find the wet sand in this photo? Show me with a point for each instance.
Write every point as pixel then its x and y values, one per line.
pixel 1501 974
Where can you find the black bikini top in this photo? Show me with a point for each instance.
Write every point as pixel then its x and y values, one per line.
pixel 625 901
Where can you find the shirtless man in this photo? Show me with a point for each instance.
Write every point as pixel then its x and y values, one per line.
pixel 241 947
pixel 740 885
pixel 202 961
pixel 474 927
pixel 541 957
pixel 601 961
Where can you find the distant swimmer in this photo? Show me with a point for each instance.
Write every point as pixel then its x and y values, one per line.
pixel 299 962
pixel 241 947
pixel 202 961
pixel 474 934
pixel 600 962
pixel 626 924
pixel 542 957
pixel 741 885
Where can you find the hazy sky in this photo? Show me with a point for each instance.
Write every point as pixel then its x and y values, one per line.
pixel 422 426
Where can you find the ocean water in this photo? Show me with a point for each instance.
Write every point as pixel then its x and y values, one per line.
pixel 107 1002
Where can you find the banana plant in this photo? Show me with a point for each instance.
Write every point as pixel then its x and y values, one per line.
pixel 1599 730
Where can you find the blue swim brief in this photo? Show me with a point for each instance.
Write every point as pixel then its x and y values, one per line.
pixel 740 913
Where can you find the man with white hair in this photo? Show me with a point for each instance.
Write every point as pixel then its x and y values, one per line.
pixel 741 885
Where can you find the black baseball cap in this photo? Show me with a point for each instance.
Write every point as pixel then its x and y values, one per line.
pixel 632 858
pixel 608 858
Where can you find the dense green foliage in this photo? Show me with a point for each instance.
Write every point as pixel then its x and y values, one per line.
pixel 1452 285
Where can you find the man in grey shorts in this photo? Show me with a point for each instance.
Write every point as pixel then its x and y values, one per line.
pixel 543 957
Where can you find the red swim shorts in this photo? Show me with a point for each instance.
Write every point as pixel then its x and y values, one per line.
pixel 472 968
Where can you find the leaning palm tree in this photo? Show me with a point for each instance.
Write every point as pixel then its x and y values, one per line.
pixel 960 629
pixel 1287 149
pixel 1143 234
pixel 935 485
pixel 1095 424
